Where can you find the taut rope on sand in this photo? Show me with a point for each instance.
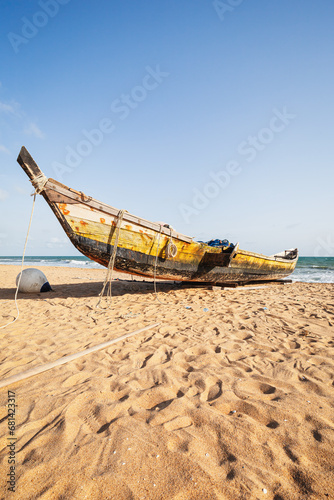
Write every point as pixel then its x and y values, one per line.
pixel 155 268
pixel 108 278
pixel 66 359
pixel 38 189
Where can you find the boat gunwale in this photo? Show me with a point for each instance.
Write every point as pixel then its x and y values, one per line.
pixel 266 257
pixel 32 170
pixel 108 209
pixel 104 207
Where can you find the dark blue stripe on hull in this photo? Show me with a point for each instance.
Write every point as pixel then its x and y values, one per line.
pixel 134 262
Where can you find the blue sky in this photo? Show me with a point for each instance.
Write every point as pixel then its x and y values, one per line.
pixel 216 117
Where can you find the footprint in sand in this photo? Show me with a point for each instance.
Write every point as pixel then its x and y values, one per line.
pixel 272 424
pixel 178 423
pixel 317 436
pixel 291 344
pixel 212 389
pixel 254 386
pixel 290 454
pixel 302 481
pixel 230 475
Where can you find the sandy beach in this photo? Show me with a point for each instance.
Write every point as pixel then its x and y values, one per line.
pixel 230 397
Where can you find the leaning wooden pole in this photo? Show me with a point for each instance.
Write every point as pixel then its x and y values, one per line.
pixel 66 359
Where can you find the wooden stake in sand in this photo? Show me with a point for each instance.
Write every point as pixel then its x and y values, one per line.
pixel 67 359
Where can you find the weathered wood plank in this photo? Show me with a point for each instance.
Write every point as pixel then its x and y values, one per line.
pixel 103 207
pixel 28 164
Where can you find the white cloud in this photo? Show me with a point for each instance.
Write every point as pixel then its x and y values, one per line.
pixel 33 129
pixel 22 190
pixel 3 236
pixel 55 242
pixel 7 108
pixel 292 226
pixel 3 195
pixel 11 109
pixel 4 149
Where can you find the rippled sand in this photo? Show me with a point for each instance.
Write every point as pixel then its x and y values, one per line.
pixel 231 397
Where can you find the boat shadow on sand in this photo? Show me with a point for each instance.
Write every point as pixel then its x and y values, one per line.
pixel 92 289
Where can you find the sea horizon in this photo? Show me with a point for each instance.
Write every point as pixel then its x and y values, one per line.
pixel 309 269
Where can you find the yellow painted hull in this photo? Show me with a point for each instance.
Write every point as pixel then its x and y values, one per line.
pixel 144 247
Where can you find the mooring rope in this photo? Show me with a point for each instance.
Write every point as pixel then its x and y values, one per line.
pixel 108 278
pixel 22 262
pixel 66 359
pixel 171 248
pixel 39 182
pixel 155 271
pixel 155 266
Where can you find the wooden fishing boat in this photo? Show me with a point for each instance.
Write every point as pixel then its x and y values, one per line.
pixel 147 248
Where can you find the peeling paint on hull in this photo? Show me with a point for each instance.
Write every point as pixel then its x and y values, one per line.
pixel 90 225
pixel 134 262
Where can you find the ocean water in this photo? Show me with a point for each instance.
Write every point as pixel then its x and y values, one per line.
pixel 314 270
pixel 61 261
pixel 309 269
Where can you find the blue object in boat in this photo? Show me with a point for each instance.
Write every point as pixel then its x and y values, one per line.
pixel 219 243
